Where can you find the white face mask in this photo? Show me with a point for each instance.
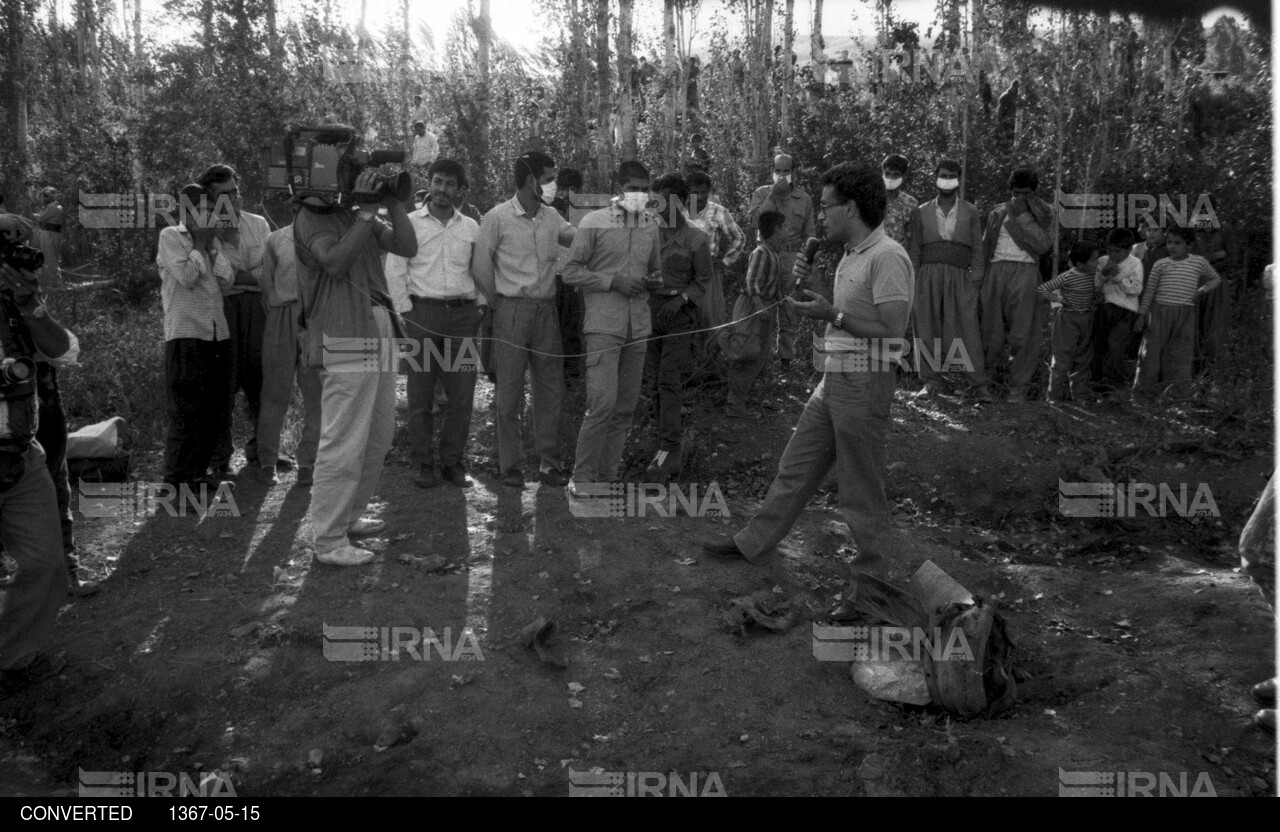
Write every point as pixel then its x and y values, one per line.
pixel 892 183
pixel 782 177
pixel 549 192
pixel 634 201
pixel 947 184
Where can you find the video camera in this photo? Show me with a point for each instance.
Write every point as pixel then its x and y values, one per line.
pixel 324 162
pixel 20 256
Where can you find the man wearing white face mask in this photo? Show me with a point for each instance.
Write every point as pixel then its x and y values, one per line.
pixel 901 204
pixel 944 241
pixel 515 266
pixel 797 207
pixel 616 252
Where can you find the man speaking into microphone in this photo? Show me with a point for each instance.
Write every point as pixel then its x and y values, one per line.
pixel 846 419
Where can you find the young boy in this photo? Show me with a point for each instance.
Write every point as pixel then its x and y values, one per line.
pixel 1167 316
pixel 762 287
pixel 1072 323
pixel 1119 281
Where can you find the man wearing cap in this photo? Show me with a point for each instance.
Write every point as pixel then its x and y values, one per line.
pixel 797 207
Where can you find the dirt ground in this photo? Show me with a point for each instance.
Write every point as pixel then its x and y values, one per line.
pixel 1140 637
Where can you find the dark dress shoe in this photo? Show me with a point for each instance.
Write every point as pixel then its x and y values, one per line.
pixel 456 475
pixel 426 477
pixel 221 472
pixel 1265 692
pixel 725 549
pixel 1266 720
pixel 284 462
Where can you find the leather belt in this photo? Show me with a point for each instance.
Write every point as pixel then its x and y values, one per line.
pixel 49 226
pixel 451 302
pixel 666 293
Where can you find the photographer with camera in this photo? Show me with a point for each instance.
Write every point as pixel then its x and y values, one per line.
pixel 197 350
pixel 344 297
pixel 29 525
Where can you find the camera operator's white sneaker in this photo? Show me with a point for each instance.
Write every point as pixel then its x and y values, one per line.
pixel 366 526
pixel 346 555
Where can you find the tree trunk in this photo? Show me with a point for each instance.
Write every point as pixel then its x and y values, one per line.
pixel 57 62
pixel 817 46
pixel 788 77
pixel 604 85
pixel 273 33
pixel 206 28
pixel 16 20
pixel 763 83
pixel 626 110
pixel 669 57
pixel 484 43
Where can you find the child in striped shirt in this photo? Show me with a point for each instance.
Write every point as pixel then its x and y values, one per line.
pixel 1072 323
pixel 1167 316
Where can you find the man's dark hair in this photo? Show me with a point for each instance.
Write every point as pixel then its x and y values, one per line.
pixel 949 164
pixel 418 124
pixel 448 167
pixel 1182 232
pixel 895 161
pixel 534 163
pixel 698 179
pixel 1081 252
pixel 1024 178
pixel 769 222
pixel 192 197
pixel 1120 238
pixel 631 169
pixel 216 175
pixel 569 179
pixel 674 184
pixel 862 185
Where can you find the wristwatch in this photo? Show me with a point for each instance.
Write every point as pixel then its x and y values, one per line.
pixel 838 320
pixel 366 216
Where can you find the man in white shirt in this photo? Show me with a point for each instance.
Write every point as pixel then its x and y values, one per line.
pixel 424 151
pixel 441 321
pixel 1120 282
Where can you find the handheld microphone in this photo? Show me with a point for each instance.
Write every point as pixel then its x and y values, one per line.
pixel 807 252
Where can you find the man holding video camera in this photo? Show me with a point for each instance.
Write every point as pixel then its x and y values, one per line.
pixel 345 299
pixel 29 527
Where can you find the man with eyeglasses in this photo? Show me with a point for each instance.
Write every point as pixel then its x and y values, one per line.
pixel 846 420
